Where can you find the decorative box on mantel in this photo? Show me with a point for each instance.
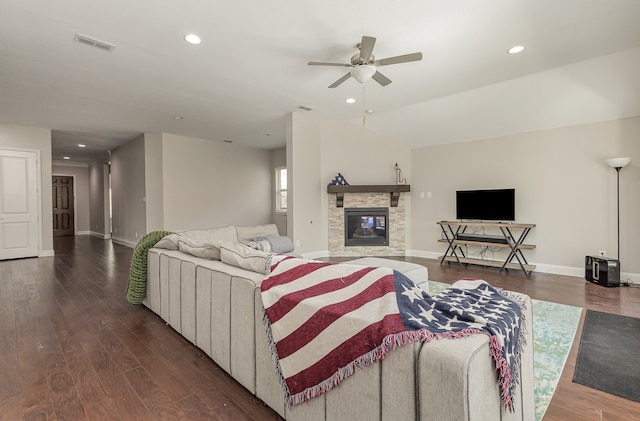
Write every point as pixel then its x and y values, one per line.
pixel 393 189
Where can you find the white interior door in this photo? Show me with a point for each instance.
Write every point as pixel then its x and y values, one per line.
pixel 18 205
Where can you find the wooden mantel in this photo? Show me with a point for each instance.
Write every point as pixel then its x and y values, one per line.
pixel 394 189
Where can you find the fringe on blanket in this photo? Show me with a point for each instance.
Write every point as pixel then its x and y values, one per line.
pixel 389 343
pixel 508 383
pixel 507 390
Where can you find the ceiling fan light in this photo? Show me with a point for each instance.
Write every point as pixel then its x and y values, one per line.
pixel 363 73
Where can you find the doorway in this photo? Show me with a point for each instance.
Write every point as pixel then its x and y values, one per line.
pixel 18 204
pixel 63 205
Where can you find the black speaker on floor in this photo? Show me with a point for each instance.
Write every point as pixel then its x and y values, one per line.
pixel 603 271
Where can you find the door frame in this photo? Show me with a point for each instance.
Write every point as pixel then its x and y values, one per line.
pixel 75 214
pixel 38 192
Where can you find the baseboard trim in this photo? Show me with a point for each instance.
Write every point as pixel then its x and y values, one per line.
pixel 47 253
pixel 577 272
pixel 316 254
pixel 100 235
pixel 123 242
pixel 423 254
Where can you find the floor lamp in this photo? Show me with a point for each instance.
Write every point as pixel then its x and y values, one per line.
pixel 618 163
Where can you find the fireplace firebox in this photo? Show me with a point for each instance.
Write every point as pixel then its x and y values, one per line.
pixel 366 227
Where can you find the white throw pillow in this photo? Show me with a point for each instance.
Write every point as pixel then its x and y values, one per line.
pixel 248 234
pixel 209 235
pixel 170 242
pixel 209 250
pixel 242 256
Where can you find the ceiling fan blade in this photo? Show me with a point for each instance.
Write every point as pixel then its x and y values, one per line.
pixel 339 81
pixel 366 47
pixel 399 59
pixel 320 63
pixel 381 79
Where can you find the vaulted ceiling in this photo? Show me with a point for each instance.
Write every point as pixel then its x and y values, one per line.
pixel 580 65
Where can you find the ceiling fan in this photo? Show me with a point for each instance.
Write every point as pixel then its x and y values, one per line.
pixel 364 65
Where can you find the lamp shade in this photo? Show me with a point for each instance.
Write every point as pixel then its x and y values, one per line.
pixel 363 72
pixel 618 162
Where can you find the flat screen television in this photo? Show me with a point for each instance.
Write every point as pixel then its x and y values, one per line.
pixel 486 205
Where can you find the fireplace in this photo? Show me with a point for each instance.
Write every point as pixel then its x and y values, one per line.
pixel 366 227
pixel 395 224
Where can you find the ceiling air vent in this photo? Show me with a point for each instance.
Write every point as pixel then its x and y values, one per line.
pixel 83 39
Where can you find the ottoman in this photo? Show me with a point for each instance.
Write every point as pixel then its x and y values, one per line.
pixel 413 271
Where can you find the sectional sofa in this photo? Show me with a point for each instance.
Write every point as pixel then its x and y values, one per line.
pixel 216 304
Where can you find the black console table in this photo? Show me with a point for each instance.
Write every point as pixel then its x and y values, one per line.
pixel 456 235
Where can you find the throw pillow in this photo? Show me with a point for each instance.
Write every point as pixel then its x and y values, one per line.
pixel 277 244
pixel 242 256
pixel 209 235
pixel 170 242
pixel 247 234
pixel 209 250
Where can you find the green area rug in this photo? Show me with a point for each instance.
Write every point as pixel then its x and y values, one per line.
pixel 554 328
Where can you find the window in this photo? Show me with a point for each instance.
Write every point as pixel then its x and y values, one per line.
pixel 281 189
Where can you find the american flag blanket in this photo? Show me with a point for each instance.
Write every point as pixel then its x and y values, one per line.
pixel 323 320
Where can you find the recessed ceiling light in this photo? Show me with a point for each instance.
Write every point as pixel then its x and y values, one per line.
pixel 80 145
pixel 193 39
pixel 370 111
pixel 351 100
pixel 178 117
pixel 515 50
pixel 66 157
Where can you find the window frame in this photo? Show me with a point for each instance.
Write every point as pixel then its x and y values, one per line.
pixel 279 172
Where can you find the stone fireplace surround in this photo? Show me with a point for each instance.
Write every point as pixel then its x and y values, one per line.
pixel 397 223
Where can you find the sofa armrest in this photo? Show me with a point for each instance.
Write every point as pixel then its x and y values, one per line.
pixel 456 379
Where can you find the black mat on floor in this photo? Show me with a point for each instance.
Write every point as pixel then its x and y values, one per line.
pixel 609 355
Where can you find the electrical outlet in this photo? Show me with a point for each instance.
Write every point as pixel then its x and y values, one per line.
pixel 602 253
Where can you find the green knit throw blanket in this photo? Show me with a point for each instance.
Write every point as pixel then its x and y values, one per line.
pixel 137 286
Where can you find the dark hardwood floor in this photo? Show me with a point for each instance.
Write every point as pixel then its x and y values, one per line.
pixel 72 348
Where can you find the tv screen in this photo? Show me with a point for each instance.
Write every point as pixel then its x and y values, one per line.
pixel 486 205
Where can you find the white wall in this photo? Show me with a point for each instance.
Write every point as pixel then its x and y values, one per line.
pixel 153 181
pixel 167 182
pixel 278 160
pixel 562 184
pixel 207 183
pixel 30 138
pixel 99 198
pixel 80 176
pixel 317 150
pixel 304 184
pixel 128 192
